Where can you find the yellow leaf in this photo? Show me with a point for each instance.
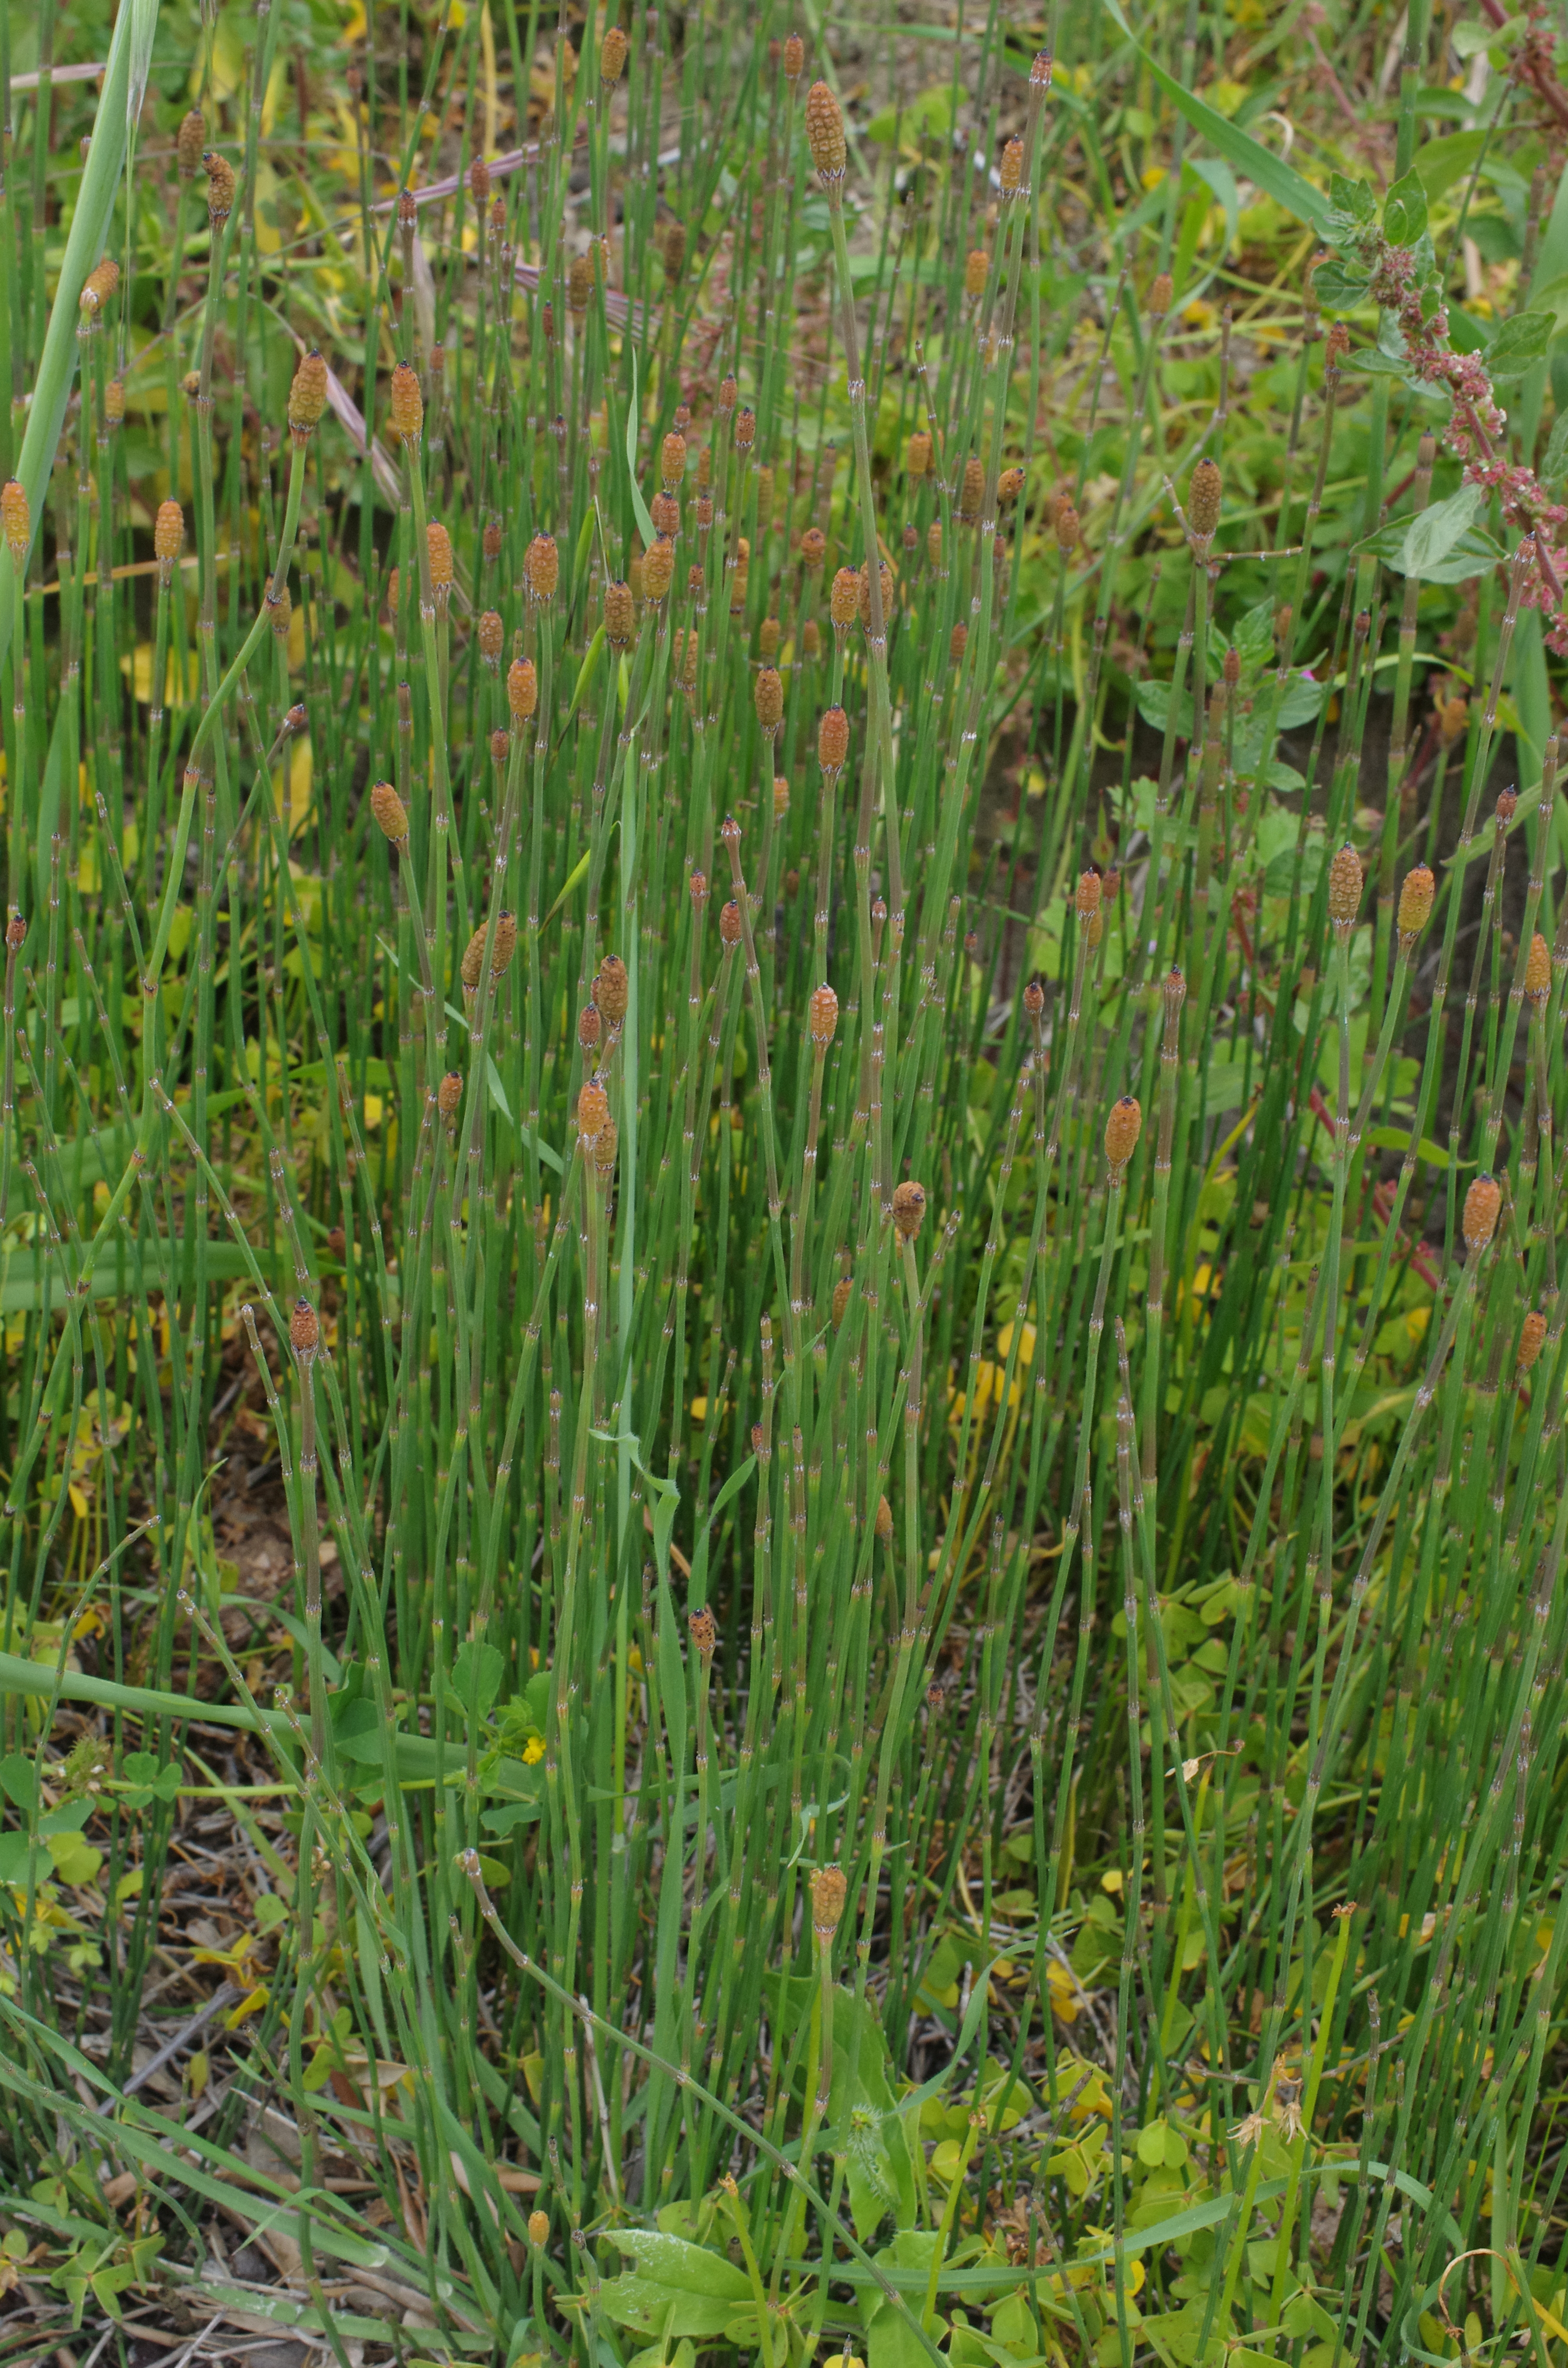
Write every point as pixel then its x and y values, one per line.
pixel 253 2004
pixel 374 1110
pixel 137 666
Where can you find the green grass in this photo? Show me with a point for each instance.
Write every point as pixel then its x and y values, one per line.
pixel 868 1672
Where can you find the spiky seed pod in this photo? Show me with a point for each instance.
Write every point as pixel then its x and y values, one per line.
pixel 1067 528
pixel 730 923
pixel 405 404
pixel 764 482
pixel 780 797
pixel 823 1017
pixel 191 385
pixel 307 396
pixel 593 1111
pixel 728 395
pixel 304 1332
pixel 589 1027
pixel 189 142
pixel 933 545
pixel 830 1888
pixel 863 595
pixel 522 690
pixel 958 641
pixel 1009 485
pixel 883 1521
pixel 1343 888
pixel 1034 999
pixel 491 636
pixel 971 492
pixel 219 186
pixel 390 814
pixel 620 615
pixel 1160 296
pixel 1111 887
pixel 769 699
pixel 768 635
pixel 279 611
pixel 635 575
pixel 98 286
pixel 658 568
pixel 672 461
pixel 1086 895
pixel 1532 1334
pixel 918 461
pixel 579 284
pixel 449 1093
pixel 439 547
pixel 168 539
pixel 908 1209
pixel 1011 171
pixel 612 990
pixel 500 750
pixel 811 639
pixel 1538 972
pixel 825 135
pixel 832 740
pixel 1204 493
pixel 1482 1203
pixel 794 58
pixel 976 271
pixel 842 1291
pixel 612 56
pixel 393 589
pixel 538 2229
pixel 1094 931
pixel 506 942
pixel 910 538
pixel 1122 1128
pixel 844 599
pixel 1416 904
pixel 15 523
pixel 479 183
pixel 542 567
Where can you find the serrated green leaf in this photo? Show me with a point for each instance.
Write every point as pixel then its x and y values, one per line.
pixel 1433 535
pixel 1520 343
pixel 1341 287
pixel 1404 211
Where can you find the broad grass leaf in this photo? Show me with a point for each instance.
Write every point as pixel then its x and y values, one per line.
pixel 1241 151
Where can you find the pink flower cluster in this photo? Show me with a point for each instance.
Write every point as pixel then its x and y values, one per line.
pixel 1473 424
